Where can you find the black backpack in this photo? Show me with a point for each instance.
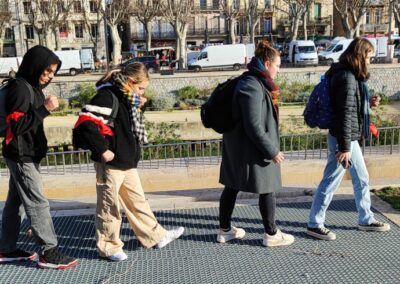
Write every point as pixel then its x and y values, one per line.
pixel 77 140
pixel 216 113
pixel 3 94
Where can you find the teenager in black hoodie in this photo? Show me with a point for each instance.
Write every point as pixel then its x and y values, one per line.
pixel 24 146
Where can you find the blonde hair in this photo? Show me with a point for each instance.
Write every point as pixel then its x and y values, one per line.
pixel 136 71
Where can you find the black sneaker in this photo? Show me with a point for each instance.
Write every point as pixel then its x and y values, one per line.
pixel 375 226
pixel 52 258
pixel 17 255
pixel 321 233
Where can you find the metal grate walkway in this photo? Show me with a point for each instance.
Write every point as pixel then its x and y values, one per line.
pixel 355 257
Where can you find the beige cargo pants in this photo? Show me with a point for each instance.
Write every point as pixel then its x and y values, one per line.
pixel 114 188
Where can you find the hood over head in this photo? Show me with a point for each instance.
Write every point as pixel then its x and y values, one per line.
pixel 34 62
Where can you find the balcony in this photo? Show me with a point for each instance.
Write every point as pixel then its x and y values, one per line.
pixel 154 35
pixel 210 31
pixel 374 28
pixel 321 21
pixel 208 8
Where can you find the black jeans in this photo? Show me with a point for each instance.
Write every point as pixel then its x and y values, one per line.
pixel 267 203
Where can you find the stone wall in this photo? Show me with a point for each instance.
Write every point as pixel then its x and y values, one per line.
pixel 384 78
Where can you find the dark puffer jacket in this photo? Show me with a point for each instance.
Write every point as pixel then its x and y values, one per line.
pixel 346 103
pixel 27 141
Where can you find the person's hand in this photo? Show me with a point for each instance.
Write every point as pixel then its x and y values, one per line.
pixel 51 103
pixel 107 156
pixel 375 101
pixel 278 158
pixel 142 101
pixel 343 158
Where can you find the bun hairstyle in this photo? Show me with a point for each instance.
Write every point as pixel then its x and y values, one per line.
pixel 136 71
pixel 265 52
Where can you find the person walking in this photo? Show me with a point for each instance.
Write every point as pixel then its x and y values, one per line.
pixel 115 147
pixel 251 156
pixel 350 105
pixel 24 146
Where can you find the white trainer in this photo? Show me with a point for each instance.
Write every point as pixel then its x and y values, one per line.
pixel 119 256
pixel 232 234
pixel 170 236
pixel 279 239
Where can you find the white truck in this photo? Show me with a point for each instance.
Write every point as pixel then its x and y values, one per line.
pixel 219 56
pixel 87 59
pixel 71 61
pixel 381 47
pixel 333 52
pixel 9 65
pixel 303 52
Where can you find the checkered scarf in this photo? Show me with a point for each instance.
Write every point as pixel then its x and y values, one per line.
pixel 135 114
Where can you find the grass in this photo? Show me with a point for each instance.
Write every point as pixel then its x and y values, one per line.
pixel 391 195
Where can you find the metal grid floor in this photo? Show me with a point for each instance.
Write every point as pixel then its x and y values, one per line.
pixel 355 257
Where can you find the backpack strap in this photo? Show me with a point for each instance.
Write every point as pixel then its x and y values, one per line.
pixel 115 107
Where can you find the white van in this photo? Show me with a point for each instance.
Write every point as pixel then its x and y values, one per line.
pixel 303 52
pixel 220 56
pixel 9 64
pixel 381 46
pixel 87 59
pixel 250 49
pixel 333 52
pixel 71 61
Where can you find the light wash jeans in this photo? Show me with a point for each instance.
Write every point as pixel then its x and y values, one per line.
pixel 25 187
pixel 333 175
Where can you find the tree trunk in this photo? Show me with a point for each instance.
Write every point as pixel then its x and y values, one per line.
pixel 232 34
pixel 47 36
pixel 295 28
pixel 148 29
pixel 1 46
pixel 182 55
pixel 57 39
pixel 116 60
pixel 305 25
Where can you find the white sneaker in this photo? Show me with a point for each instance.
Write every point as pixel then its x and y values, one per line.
pixel 279 239
pixel 120 256
pixel 170 236
pixel 233 233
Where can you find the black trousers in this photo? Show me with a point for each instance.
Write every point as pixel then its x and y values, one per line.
pixel 266 202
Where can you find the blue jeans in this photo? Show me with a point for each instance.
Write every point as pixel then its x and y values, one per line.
pixel 333 175
pixel 25 188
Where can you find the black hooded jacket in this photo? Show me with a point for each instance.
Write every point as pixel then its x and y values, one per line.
pixel 346 104
pixel 27 141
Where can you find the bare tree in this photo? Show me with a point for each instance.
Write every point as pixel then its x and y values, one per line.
pixel 145 11
pixel 93 34
pixel 351 14
pixel 5 17
pixel 253 14
pixel 116 12
pixel 178 13
pixel 396 12
pixel 295 9
pixel 51 14
pixel 231 10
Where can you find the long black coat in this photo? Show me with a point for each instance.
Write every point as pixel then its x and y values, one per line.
pixel 249 148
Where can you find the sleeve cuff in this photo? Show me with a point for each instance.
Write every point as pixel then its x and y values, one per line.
pixel 42 112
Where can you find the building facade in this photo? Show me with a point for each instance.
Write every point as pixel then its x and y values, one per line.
pixel 79 26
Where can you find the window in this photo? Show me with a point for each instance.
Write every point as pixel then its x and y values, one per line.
pixel 61 7
pixel 78 30
pixel 203 55
pixel 203 4
pixel 267 25
pixel 29 32
pixel 215 4
pixel 44 7
pixel 236 4
pixel 27 7
pixel 368 17
pixel 8 34
pixel 338 48
pixel 63 31
pixel 378 16
pixel 93 7
pixel 94 30
pixel 77 7
pixel 317 10
pixel 267 3
pixel 292 10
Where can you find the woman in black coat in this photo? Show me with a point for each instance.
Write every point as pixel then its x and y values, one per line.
pixel 251 154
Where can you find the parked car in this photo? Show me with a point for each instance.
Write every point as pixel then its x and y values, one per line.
pixel 150 62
